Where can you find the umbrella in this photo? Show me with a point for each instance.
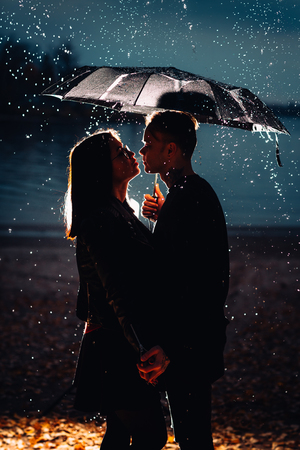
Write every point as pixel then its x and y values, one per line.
pixel 142 90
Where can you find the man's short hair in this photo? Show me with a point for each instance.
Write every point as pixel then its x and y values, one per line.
pixel 179 127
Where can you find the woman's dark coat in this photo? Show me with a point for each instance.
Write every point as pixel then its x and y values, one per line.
pixel 114 260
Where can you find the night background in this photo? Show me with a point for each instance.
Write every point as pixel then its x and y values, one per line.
pixel 253 44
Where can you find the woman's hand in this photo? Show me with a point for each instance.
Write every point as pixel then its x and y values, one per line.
pixel 153 363
pixel 152 205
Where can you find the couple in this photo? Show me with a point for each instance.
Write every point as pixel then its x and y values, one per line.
pixel 163 292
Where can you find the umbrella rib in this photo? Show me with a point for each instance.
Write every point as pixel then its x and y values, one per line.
pixel 112 86
pixel 137 97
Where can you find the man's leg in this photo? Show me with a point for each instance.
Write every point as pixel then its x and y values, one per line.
pixel 190 409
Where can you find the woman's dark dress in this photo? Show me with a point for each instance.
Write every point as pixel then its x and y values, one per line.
pixel 114 258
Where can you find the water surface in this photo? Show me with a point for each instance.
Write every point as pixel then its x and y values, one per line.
pixel 241 166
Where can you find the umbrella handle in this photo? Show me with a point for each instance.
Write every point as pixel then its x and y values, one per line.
pixel 155 183
pixel 151 225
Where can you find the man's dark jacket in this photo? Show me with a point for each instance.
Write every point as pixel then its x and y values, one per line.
pixel 190 240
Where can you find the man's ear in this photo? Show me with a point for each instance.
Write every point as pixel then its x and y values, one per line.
pixel 172 149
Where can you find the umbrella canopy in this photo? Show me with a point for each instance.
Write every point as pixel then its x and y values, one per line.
pixel 142 90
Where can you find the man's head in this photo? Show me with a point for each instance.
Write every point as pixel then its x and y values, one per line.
pixel 169 141
pixel 175 126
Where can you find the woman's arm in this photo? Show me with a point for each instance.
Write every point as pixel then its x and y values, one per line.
pixel 114 253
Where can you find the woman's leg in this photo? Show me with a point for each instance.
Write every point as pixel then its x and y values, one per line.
pixel 116 436
pixel 147 427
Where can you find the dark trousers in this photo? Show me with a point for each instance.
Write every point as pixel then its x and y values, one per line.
pixel 189 395
pixel 190 408
pixel 145 427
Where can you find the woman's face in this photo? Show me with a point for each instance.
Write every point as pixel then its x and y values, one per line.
pixel 123 168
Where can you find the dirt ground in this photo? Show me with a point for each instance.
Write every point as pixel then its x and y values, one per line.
pixel 256 405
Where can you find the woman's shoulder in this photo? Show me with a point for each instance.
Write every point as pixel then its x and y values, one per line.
pixel 104 218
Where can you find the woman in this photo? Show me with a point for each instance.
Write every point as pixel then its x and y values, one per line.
pixel 113 255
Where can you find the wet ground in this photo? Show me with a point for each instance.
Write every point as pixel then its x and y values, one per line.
pixel 256 405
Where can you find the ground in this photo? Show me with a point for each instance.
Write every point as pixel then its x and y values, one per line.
pixel 256 405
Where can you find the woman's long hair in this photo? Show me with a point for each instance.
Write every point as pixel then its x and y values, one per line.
pixel 89 179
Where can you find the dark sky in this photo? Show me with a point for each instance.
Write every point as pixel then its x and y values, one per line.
pixel 253 44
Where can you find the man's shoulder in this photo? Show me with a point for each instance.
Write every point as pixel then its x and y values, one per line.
pixel 193 187
pixel 199 182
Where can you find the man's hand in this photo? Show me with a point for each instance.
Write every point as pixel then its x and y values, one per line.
pixel 152 205
pixel 153 363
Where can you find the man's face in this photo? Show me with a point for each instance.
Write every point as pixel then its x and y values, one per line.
pixel 154 152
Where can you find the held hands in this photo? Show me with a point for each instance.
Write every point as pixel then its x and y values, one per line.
pixel 152 206
pixel 153 364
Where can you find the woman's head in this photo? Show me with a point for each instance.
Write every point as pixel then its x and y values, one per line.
pixel 90 178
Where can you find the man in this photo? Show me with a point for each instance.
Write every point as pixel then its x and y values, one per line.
pixel 190 239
